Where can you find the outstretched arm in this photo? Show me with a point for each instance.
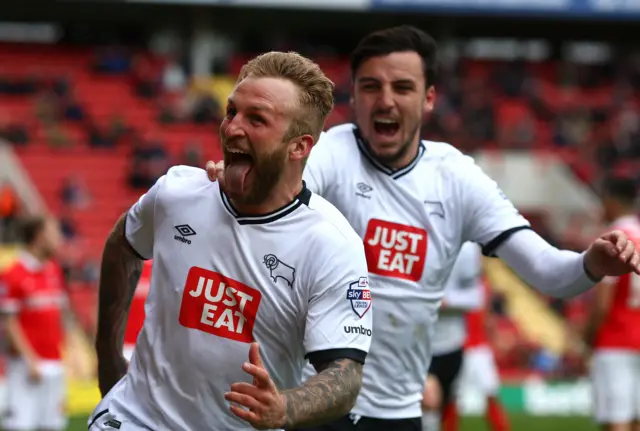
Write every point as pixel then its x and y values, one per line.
pixel 119 275
pixel 563 273
pixel 328 395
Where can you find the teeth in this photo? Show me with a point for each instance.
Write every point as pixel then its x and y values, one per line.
pixel 235 151
pixel 385 121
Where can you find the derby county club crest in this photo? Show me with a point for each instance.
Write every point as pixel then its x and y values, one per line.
pixel 279 269
pixel 360 296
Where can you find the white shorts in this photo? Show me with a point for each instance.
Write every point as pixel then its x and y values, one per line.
pixel 104 420
pixel 479 371
pixel 615 375
pixel 38 405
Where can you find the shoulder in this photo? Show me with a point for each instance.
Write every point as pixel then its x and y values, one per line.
pixel 630 225
pixel 13 272
pixel 338 138
pixel 330 227
pixel 184 180
pixel 450 162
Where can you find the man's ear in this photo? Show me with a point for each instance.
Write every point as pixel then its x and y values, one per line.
pixel 300 147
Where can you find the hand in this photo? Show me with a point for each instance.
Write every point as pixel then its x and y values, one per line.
pixel 612 254
pixel 35 376
pixel 215 171
pixel 265 407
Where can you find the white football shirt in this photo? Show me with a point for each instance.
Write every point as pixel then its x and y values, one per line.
pixel 294 280
pixel 413 222
pixel 464 291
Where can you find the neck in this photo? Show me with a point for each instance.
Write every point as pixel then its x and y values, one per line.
pixel 407 157
pixel 35 252
pixel 282 194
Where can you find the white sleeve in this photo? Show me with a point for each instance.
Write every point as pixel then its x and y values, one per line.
pixel 489 217
pixel 557 273
pixel 319 170
pixel 339 315
pixel 139 223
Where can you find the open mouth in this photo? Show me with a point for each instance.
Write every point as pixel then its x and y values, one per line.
pixel 239 164
pixel 386 127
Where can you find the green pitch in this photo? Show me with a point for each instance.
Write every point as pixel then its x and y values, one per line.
pixel 518 423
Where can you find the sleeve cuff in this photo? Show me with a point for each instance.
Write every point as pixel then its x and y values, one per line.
pixel 330 355
pixel 490 248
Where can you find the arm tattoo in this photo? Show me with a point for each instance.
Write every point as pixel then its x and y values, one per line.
pixel 326 396
pixel 119 275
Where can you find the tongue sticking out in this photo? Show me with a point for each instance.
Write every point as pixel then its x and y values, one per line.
pixel 235 174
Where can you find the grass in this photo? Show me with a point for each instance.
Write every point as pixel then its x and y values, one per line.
pixel 518 423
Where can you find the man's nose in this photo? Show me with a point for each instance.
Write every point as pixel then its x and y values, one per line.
pixel 233 128
pixel 386 98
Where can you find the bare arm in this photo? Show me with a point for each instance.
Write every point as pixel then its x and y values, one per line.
pixel 328 395
pixel 119 274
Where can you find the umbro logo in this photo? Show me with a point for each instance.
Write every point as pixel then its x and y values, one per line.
pixel 184 230
pixel 362 189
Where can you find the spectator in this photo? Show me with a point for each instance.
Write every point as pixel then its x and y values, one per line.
pixel 174 79
pixel 74 193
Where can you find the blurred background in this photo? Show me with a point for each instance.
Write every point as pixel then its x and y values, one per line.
pixel 98 99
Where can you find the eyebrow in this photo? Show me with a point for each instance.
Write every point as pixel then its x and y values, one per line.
pixel 254 108
pixel 369 80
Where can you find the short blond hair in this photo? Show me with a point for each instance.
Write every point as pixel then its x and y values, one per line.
pixel 316 90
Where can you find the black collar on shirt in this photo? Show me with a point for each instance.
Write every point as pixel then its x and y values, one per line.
pixel 393 173
pixel 301 198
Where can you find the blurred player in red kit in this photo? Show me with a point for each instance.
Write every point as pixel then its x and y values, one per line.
pixel 33 310
pixel 479 370
pixel 614 327
pixel 136 312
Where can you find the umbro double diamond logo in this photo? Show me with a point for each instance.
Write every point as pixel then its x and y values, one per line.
pixel 185 230
pixel 363 189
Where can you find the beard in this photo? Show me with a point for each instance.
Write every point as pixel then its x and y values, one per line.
pixel 266 170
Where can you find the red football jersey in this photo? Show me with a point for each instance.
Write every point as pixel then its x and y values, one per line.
pixel 35 292
pixel 136 312
pixel 621 328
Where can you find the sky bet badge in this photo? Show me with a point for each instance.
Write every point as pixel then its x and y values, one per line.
pixel 360 296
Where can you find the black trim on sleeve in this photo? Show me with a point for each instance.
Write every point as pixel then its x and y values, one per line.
pixel 490 249
pixel 98 416
pixel 126 240
pixel 323 356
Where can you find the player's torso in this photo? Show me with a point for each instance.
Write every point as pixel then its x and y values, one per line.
pixel 217 286
pixel 621 328
pixel 40 314
pixel 411 243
